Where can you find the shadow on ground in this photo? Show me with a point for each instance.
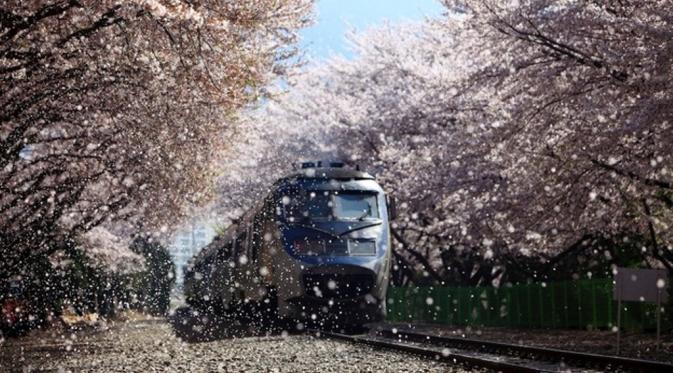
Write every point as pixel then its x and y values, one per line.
pixel 193 326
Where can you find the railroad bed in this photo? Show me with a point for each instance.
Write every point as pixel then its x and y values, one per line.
pixel 494 355
pixel 154 347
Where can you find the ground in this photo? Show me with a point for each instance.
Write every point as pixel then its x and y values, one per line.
pixel 156 345
pixel 152 346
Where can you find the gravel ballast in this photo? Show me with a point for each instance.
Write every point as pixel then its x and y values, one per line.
pixel 143 346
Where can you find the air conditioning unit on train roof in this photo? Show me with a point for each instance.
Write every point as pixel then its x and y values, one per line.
pixel 321 164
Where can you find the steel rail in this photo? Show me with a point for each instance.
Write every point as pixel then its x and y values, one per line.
pixel 434 353
pixel 574 358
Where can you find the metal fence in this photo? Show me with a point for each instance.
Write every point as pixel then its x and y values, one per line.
pixel 570 304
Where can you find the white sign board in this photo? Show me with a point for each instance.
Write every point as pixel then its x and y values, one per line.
pixel 641 285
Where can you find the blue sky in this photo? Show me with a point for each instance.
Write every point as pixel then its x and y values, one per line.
pixel 335 17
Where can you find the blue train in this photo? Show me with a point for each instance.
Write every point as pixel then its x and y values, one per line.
pixel 317 247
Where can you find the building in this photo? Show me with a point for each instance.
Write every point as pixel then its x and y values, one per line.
pixel 186 243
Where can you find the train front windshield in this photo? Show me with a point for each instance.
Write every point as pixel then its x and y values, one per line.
pixel 332 205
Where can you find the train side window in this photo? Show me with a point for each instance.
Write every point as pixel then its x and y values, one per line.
pixel 248 233
pixel 241 244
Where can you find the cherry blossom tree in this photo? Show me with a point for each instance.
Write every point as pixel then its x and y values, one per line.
pixel 109 252
pixel 115 110
pixel 92 273
pixel 586 89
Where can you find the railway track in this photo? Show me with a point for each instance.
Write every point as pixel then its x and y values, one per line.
pixel 496 356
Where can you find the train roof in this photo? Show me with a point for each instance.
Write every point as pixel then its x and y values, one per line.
pixel 339 173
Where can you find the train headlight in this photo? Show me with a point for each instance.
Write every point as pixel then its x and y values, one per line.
pixel 309 247
pixel 340 247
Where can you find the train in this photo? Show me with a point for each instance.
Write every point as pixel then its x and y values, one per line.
pixel 317 247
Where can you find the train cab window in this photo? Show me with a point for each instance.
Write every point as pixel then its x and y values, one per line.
pixel 318 204
pixel 292 207
pixel 332 205
pixel 355 205
pixel 311 204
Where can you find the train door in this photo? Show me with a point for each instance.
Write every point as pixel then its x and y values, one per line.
pixel 224 281
pixel 257 285
pixel 250 268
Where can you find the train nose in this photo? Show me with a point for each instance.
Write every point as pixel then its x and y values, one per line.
pixel 338 282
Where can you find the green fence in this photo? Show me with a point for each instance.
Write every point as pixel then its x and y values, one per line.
pixel 571 304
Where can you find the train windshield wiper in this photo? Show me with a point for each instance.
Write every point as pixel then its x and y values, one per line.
pixel 367 213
